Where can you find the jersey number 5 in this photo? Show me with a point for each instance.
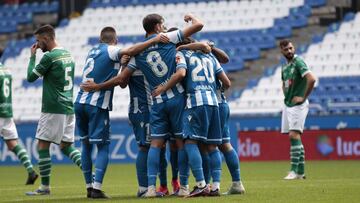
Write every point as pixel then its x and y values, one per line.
pixel 68 79
pixel 158 66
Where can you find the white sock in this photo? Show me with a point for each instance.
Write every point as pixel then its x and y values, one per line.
pixel 215 185
pixel 97 185
pixel 89 185
pixel 142 189
pixel 236 183
pixel 201 184
pixel 151 187
pixel 185 187
pixel 44 187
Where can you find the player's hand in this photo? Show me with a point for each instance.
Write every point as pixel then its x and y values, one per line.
pixel 125 60
pixel 157 91
pixel 162 38
pixel 188 17
pixel 181 47
pixel 89 86
pixel 297 100
pixel 33 49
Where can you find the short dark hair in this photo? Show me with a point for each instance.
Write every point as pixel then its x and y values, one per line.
pixel 284 43
pixel 108 35
pixel 150 21
pixel 47 30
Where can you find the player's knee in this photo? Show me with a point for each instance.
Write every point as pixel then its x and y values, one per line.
pixel 294 134
pixel 158 143
pixel 211 147
pixel 225 147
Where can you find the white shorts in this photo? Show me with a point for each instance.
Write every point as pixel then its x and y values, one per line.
pixel 293 118
pixel 8 129
pixel 56 128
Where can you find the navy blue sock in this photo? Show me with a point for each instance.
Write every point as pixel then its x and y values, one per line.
pixel 174 164
pixel 141 168
pixel 86 162
pixel 215 165
pixel 102 160
pixel 153 162
pixel 184 170
pixel 195 161
pixel 206 167
pixel 232 162
pixel 163 167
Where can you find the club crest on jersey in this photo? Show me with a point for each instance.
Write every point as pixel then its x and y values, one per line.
pixel 189 118
pixel 141 124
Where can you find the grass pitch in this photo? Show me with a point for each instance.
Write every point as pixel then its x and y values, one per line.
pixel 327 181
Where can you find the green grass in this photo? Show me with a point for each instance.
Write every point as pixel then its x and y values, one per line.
pixel 327 181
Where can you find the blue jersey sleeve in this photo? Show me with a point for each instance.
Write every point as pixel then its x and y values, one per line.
pixel 180 60
pixel 132 64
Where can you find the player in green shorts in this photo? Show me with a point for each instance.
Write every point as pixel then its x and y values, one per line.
pixel 297 84
pixel 7 126
pixel 57 120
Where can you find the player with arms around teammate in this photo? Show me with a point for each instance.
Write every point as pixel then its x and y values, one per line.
pixel 92 108
pixel 57 120
pixel 7 126
pixel 230 155
pixel 157 63
pixel 201 116
pixel 297 84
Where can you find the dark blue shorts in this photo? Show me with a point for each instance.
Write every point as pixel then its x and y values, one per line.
pixel 92 123
pixel 166 118
pixel 141 127
pixel 202 123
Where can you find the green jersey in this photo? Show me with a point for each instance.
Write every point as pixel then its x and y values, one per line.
pixel 57 69
pixel 292 76
pixel 5 93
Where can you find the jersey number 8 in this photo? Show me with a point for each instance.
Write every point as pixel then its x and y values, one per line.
pixel 158 66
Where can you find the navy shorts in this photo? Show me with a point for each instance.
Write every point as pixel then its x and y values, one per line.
pixel 202 123
pixel 93 123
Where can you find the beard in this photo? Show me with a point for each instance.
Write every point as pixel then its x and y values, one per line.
pixel 289 56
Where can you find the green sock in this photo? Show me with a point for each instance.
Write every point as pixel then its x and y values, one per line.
pixel 44 166
pixel 73 154
pixel 301 167
pixel 295 151
pixel 23 157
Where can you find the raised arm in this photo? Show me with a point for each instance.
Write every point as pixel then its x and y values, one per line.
pixel 226 83
pixel 220 55
pixel 139 47
pixel 195 27
pixel 203 46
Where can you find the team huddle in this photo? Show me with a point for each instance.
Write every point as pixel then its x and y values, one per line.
pixel 176 96
pixel 177 99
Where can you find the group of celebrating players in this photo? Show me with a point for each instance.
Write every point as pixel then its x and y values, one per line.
pixel 176 94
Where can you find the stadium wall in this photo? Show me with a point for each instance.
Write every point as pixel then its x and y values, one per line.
pixel 123 148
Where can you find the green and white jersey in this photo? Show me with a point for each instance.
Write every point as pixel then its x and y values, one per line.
pixel 292 76
pixel 57 69
pixel 5 93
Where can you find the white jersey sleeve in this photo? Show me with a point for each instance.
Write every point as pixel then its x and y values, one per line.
pixel 175 36
pixel 114 53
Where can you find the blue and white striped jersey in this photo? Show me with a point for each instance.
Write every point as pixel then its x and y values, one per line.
pixel 102 63
pixel 219 93
pixel 140 94
pixel 200 80
pixel 158 64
